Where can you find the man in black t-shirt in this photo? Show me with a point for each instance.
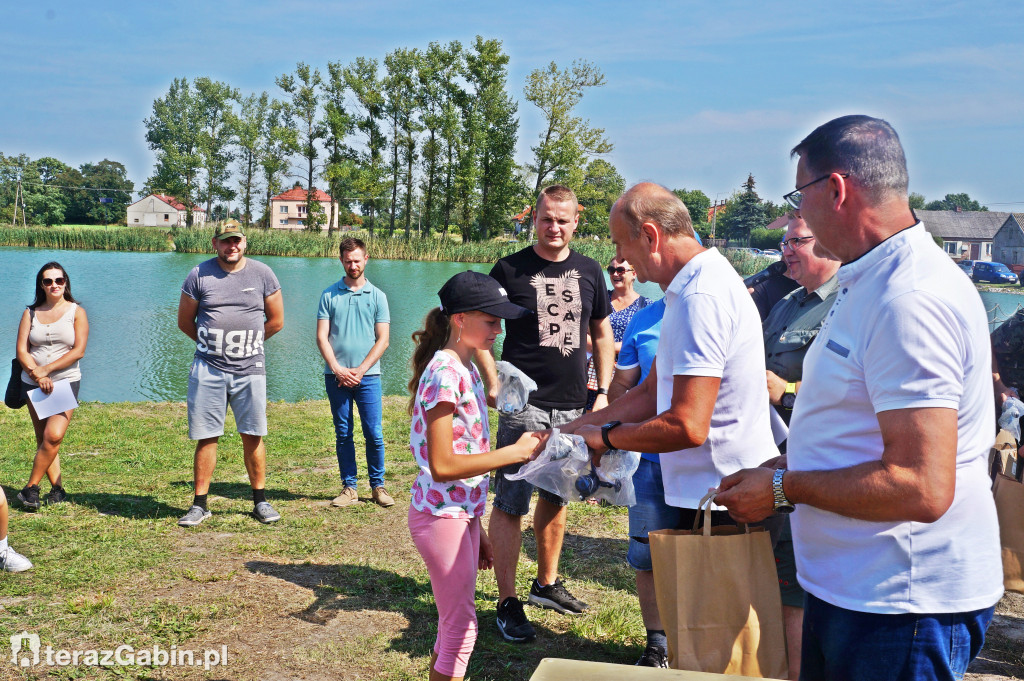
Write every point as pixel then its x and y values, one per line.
pixel 567 290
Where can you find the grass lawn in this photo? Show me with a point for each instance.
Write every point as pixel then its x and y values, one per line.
pixel 324 593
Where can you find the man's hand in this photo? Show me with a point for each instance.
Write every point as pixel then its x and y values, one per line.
pixel 600 402
pixel 748 494
pixel 346 377
pixel 776 387
pixel 592 436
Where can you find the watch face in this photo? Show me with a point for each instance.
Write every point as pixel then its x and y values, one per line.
pixel 788 400
pixel 784 508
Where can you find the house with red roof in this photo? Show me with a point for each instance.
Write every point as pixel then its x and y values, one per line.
pixel 288 209
pixel 162 210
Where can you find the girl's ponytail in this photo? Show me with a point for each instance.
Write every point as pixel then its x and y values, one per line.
pixel 428 341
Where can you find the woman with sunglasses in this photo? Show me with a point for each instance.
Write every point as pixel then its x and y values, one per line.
pixel 625 302
pixel 51 340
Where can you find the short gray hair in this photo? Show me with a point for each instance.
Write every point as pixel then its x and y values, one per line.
pixel 648 202
pixel 867 148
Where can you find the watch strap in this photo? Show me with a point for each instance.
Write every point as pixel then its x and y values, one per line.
pixel 605 429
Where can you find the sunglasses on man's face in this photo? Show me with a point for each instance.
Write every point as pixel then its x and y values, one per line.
pixel 619 270
pixel 59 281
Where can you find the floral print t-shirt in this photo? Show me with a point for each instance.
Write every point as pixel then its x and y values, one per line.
pixel 446 380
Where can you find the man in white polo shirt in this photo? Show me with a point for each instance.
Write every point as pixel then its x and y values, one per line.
pixel 704 404
pixel 895 531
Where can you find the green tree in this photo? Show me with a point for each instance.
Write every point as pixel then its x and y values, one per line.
pixel 106 179
pixel 279 141
pixel 568 141
pixel 44 204
pixel 916 201
pixel 602 185
pixel 339 170
pixel 174 132
pixel 956 202
pixel 248 127
pixel 746 213
pixel 369 181
pixel 303 86
pixel 487 73
pixel 698 203
pixel 439 68
pixel 401 104
pixel 214 100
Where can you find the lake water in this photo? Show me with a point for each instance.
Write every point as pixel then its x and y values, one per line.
pixel 137 353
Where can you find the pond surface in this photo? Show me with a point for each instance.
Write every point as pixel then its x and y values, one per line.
pixel 136 352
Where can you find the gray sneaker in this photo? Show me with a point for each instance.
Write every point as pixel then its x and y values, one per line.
pixel 265 513
pixel 195 515
pixel 12 561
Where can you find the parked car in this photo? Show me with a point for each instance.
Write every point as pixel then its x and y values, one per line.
pixel 771 254
pixel 967 266
pixel 995 272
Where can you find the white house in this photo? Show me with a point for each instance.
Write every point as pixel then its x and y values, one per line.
pixel 163 211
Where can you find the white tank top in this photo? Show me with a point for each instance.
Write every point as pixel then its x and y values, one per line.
pixel 48 342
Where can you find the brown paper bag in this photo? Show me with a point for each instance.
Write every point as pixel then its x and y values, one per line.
pixel 1009 496
pixel 718 596
pixel 1002 458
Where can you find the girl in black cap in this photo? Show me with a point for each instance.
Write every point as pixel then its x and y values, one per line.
pixel 450 440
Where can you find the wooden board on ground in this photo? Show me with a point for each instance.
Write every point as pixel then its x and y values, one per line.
pixel 555 669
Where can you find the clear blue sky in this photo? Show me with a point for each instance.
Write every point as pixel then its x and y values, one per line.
pixel 699 93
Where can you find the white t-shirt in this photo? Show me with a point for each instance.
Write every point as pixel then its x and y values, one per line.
pixel 907 330
pixel 711 328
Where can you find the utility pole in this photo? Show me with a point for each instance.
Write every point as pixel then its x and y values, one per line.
pixel 19 194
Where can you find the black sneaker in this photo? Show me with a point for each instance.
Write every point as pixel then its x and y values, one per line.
pixel 556 597
pixel 653 657
pixel 29 497
pixel 512 622
pixel 57 495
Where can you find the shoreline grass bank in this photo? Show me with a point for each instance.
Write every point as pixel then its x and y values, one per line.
pixel 306 244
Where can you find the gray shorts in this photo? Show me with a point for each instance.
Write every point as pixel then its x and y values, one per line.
pixel 211 390
pixel 513 496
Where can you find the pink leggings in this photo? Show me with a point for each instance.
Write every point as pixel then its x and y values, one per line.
pixel 451 549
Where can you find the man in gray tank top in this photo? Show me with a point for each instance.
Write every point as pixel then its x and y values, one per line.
pixel 229 306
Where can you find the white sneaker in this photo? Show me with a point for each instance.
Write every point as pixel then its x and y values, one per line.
pixel 12 561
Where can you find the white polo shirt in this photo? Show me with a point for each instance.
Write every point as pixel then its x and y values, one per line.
pixel 711 328
pixel 907 330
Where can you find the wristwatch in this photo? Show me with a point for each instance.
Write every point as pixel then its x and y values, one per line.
pixel 782 504
pixel 602 391
pixel 789 397
pixel 605 429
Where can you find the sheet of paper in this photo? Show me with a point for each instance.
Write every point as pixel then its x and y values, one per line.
pixel 59 400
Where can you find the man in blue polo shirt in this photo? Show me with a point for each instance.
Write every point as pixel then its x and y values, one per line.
pixel 352 332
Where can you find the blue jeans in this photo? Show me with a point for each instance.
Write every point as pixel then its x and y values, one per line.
pixel 367 397
pixel 841 644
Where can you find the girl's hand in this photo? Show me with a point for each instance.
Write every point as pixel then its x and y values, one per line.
pixel 530 443
pixel 45 384
pixel 486 551
pixel 38 373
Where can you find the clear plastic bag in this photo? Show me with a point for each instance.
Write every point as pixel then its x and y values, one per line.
pixel 1013 409
pixel 564 469
pixel 514 388
pixel 556 468
pixel 612 481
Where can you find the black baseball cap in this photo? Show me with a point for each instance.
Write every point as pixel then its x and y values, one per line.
pixel 469 290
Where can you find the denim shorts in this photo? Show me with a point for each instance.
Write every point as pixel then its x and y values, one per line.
pixel 842 644
pixel 649 514
pixel 211 390
pixel 513 496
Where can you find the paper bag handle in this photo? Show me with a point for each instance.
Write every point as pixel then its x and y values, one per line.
pixel 704 508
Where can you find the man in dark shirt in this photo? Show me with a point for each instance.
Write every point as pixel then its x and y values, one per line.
pixel 567 291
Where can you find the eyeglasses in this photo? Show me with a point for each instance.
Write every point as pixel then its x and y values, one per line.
pixel 59 281
pixel 794 244
pixel 795 197
pixel 620 270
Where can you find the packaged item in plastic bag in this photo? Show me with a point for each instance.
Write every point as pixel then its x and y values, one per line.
pixel 556 468
pixel 1013 409
pixel 514 388
pixel 612 481
pixel 564 469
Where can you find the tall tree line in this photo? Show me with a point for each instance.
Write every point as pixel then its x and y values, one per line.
pixel 421 140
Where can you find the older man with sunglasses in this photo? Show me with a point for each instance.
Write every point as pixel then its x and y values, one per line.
pixel 895 530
